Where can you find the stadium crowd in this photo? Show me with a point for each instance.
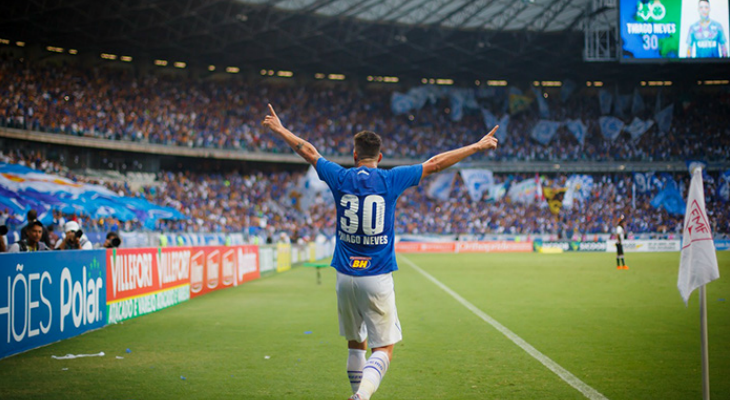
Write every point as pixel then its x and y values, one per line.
pixel 154 108
pixel 267 204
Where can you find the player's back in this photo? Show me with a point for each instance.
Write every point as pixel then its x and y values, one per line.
pixel 365 199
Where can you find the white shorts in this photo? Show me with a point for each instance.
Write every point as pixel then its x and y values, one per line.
pixel 366 309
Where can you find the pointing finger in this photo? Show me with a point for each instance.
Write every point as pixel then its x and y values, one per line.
pixel 272 110
pixel 491 133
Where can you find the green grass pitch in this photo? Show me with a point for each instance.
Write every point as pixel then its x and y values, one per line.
pixel 626 334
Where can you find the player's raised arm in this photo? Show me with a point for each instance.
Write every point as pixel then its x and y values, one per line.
pixel 442 161
pixel 305 149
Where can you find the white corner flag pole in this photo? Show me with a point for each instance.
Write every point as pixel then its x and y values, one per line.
pixel 698 263
pixel 705 350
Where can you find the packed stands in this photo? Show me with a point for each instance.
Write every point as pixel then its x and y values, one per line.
pixel 154 108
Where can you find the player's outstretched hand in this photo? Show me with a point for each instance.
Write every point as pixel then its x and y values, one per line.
pixel 272 121
pixel 489 141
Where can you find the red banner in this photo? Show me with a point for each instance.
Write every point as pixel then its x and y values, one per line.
pixel 425 247
pixel 494 247
pixel 463 247
pixel 218 267
pixel 248 263
pixel 135 272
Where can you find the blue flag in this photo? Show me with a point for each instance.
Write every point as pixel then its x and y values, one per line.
pixel 723 186
pixel 611 127
pixel 670 199
pixel 645 182
pixel 544 131
pixel 637 106
pixel 567 89
pixel 664 118
pixel 637 127
pixel 578 129
pixel 605 100
pixel 477 181
pixel 401 103
pixel 440 187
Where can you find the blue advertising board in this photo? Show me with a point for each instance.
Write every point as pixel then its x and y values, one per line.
pixel 50 296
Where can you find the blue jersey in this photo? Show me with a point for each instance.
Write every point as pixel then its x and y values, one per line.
pixel 365 199
pixel 706 40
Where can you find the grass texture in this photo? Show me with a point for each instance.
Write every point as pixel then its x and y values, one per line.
pixel 626 334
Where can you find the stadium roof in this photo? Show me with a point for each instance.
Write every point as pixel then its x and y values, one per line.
pixel 496 15
pixel 458 39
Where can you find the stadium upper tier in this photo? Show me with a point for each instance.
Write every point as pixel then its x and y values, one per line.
pixel 119 105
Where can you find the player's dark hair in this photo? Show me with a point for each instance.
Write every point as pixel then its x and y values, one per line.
pixel 367 144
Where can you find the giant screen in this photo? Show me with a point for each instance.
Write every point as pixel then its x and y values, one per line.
pixel 656 30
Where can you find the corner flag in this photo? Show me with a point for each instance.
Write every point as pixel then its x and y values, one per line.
pixel 698 263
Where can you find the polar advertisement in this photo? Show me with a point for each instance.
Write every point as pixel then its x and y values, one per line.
pixel 50 296
pixel 655 30
pixel 141 281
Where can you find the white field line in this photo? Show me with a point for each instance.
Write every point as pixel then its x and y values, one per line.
pixel 569 378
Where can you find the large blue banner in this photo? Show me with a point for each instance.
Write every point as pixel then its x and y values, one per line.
pixel 50 296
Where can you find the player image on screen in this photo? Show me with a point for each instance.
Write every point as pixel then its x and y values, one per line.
pixel 706 38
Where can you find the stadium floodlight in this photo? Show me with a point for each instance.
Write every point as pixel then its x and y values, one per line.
pixel 443 81
pixel 126 58
pixel 319 76
pixel 233 70
pixel 54 49
pixel 73 51
pixel 161 63
pixel 179 64
pixel 370 78
pixel 108 56
pixel 285 74
pixel 4 41
pixel 211 68
pixel 477 82
pixel 714 82
pixel 391 79
pixel 20 44
pixel 501 82
pixel 263 72
pixel 336 77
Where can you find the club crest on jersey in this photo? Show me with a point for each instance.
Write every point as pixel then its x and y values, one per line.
pixel 360 262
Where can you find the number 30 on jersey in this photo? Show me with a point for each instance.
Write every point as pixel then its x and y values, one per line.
pixel 373 214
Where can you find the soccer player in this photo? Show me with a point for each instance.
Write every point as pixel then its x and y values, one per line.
pixel 365 198
pixel 706 37
pixel 620 236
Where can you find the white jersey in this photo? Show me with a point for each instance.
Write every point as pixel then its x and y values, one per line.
pixel 620 233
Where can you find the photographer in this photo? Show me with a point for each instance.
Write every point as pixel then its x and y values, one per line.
pixel 74 238
pixel 32 242
pixel 32 217
pixel 112 240
pixel 3 232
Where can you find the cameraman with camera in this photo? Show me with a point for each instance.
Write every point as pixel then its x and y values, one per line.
pixel 32 241
pixel 3 232
pixel 112 240
pixel 32 217
pixel 74 238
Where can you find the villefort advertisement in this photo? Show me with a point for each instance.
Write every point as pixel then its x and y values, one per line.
pixel 141 281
